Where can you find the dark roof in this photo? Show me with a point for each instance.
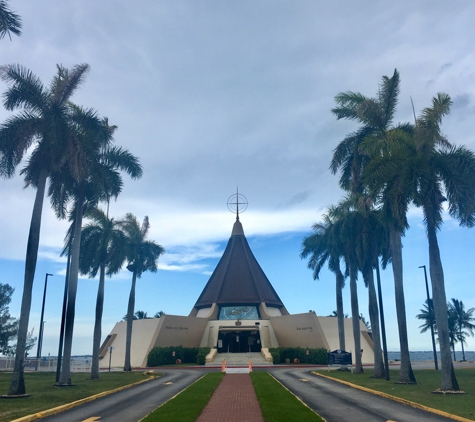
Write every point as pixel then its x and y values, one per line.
pixel 238 277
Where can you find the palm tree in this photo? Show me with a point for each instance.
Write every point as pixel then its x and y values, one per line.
pixel 427 316
pixel 345 229
pixel 44 121
pixel 463 321
pixel 94 178
pixel 322 246
pixel 138 315
pixel 441 173
pixel 102 250
pixel 366 232
pixel 142 256
pixel 352 157
pixel 159 314
pixel 9 21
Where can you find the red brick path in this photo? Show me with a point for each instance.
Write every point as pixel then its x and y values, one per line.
pixel 233 401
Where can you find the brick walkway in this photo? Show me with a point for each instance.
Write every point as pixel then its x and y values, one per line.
pixel 233 401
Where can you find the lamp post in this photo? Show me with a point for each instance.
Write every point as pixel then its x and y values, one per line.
pixel 431 319
pixel 40 335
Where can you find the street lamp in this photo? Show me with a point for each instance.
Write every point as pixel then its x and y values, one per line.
pixel 40 335
pixel 431 319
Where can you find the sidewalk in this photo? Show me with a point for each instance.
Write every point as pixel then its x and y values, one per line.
pixel 233 401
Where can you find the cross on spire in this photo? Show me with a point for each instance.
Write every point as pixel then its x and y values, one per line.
pixel 237 203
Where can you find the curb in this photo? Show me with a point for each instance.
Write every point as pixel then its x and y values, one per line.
pixel 398 399
pixel 63 407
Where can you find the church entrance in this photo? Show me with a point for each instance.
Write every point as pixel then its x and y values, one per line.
pixel 239 341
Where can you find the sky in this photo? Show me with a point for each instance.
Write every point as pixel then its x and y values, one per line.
pixel 215 95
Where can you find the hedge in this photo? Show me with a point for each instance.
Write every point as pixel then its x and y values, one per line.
pixel 315 356
pixel 165 356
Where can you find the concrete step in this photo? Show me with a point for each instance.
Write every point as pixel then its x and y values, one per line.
pixel 238 359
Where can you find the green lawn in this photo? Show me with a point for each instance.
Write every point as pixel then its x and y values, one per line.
pixel 427 381
pixel 277 403
pixel 45 396
pixel 187 406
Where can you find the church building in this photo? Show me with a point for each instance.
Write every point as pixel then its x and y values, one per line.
pixel 238 311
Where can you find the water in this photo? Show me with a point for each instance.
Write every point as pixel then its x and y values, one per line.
pixel 429 355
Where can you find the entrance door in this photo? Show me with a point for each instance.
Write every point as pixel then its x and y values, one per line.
pixel 239 341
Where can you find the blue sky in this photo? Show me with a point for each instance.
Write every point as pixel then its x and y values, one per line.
pixel 217 94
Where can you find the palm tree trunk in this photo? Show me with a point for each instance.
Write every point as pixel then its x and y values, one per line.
pixel 461 342
pixel 449 381
pixel 406 375
pixel 96 343
pixel 374 318
pixel 339 309
pixel 17 384
pixel 130 320
pixel 65 377
pixel 355 315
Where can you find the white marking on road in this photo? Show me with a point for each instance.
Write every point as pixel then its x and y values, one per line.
pixel 92 419
pixel 168 383
pixel 304 379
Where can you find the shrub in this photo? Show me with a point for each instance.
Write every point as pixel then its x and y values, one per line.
pixel 165 356
pixel 314 357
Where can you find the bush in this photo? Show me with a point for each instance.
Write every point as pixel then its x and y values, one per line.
pixel 165 356
pixel 315 356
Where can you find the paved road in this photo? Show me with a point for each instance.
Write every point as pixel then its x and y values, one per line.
pixel 132 404
pixel 337 402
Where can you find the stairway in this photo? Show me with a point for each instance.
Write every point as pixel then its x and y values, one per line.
pixel 239 359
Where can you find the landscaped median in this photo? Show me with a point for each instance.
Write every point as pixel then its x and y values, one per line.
pixel 460 407
pixel 276 402
pixel 47 399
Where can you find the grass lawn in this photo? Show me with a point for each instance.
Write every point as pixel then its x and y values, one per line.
pixel 187 406
pixel 45 396
pixel 428 380
pixel 277 403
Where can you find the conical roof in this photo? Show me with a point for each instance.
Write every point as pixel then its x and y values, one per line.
pixel 238 278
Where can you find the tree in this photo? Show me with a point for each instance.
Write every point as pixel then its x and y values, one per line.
pixel 139 315
pixel 323 246
pixel 427 316
pixel 353 156
pixel 441 173
pixel 45 123
pixel 159 314
pixel 8 324
pixel 463 321
pixel 142 256
pixel 95 178
pixel 30 343
pixel 9 21
pixel 102 250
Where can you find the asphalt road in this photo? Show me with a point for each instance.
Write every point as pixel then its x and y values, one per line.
pixel 333 401
pixel 337 402
pixel 132 404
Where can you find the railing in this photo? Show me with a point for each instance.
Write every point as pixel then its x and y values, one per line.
pixel 45 364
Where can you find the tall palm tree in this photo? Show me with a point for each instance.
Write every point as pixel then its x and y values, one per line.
pixel 463 321
pixel 363 223
pixel 95 178
pixel 353 155
pixel 142 256
pixel 322 247
pixel 103 247
pixel 346 230
pixel 442 173
pixel 9 21
pixel 44 122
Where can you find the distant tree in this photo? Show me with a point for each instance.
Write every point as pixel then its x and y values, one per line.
pixel 462 321
pixel 9 21
pixel 335 314
pixel 366 323
pixel 427 316
pixel 142 256
pixel 159 314
pixel 30 343
pixel 8 324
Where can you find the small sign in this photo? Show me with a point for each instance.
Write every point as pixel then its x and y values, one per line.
pixel 339 357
